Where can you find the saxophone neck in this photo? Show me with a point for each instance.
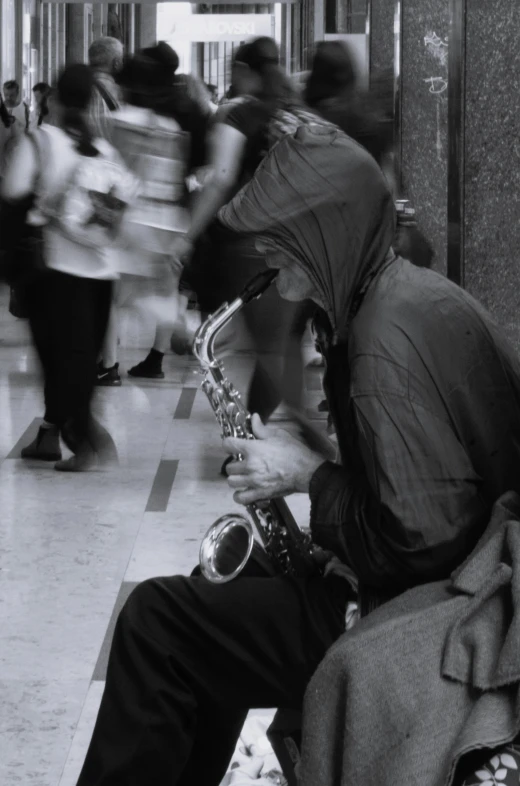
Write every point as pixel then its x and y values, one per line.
pixel 209 330
pixel 205 336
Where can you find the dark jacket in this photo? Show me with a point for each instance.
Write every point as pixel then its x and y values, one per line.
pixel 425 397
pixel 423 390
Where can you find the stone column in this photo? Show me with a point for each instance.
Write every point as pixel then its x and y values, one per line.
pixel 489 155
pixel 382 40
pixel 98 17
pixel 54 11
pixel 424 117
pixel 46 51
pixel 61 42
pixel 146 25
pixel 76 33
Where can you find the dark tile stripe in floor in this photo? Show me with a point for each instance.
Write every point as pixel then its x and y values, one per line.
pixel 162 486
pixel 28 436
pixel 100 669
pixel 185 404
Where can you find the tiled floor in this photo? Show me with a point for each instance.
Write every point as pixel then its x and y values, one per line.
pixel 72 546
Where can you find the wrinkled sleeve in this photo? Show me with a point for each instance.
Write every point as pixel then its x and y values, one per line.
pixel 416 513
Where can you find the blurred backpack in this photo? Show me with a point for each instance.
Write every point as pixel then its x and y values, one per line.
pixel 90 209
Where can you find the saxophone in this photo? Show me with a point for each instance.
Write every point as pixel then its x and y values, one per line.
pixel 228 543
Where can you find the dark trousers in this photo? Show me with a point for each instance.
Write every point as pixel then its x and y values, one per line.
pixel 68 316
pixel 190 658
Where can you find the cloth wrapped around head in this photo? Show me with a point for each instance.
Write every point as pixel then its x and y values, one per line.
pixel 322 199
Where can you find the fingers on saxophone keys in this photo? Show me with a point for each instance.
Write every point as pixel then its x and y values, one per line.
pixel 247 497
pixel 239 468
pixel 234 446
pixel 238 481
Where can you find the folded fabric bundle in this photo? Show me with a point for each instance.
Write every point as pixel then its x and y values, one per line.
pixel 425 679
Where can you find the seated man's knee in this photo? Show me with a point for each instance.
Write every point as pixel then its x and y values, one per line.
pixel 148 597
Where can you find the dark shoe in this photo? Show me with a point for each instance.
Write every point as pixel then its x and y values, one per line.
pixel 84 460
pixel 146 370
pixel 45 447
pixel 108 377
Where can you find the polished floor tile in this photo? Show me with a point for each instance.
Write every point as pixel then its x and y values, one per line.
pixel 38 720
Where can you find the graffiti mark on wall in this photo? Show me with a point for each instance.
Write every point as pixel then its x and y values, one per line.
pixel 437 84
pixel 438 47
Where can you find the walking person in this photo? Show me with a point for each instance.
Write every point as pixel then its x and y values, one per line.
pixel 105 56
pixel 41 93
pixel 184 100
pixel 157 150
pixel 68 302
pixel 221 263
pixel 17 119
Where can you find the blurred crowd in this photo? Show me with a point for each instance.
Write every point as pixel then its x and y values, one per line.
pixel 170 153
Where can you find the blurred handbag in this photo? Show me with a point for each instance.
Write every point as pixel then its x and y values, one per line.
pixel 21 242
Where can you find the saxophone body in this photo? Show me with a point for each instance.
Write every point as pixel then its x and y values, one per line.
pixel 228 544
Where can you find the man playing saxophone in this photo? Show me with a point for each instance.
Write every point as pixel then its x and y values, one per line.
pixel 423 393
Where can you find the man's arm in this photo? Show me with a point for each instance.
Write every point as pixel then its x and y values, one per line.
pixel 416 513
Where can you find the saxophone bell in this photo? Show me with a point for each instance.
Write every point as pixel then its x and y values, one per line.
pixel 226 548
pixel 227 545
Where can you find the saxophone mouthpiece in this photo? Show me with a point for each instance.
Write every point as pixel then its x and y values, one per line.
pixel 258 285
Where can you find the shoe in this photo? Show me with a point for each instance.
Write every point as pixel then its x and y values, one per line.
pixel 108 377
pixel 145 370
pixel 84 460
pixel 45 447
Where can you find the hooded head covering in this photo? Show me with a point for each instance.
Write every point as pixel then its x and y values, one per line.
pixel 321 198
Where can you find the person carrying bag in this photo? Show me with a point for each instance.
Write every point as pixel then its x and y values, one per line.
pixel 83 191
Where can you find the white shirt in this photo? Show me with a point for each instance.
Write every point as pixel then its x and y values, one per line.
pixel 60 157
pixel 61 252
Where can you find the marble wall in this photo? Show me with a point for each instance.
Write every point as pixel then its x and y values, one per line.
pixel 424 116
pixel 492 159
pixel 381 37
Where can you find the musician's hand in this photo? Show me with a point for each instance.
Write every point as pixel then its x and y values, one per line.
pixel 274 465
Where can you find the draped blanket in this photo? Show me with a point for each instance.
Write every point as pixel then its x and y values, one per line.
pixel 425 679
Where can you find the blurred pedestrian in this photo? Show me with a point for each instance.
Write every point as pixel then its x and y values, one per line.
pixel 185 101
pixel 239 141
pixel 105 56
pixel 157 150
pixel 68 302
pixel 17 118
pixel 41 93
pixel 106 60
pixel 332 90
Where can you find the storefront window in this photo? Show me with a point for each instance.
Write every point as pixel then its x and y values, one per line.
pixel 345 16
pixel 26 50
